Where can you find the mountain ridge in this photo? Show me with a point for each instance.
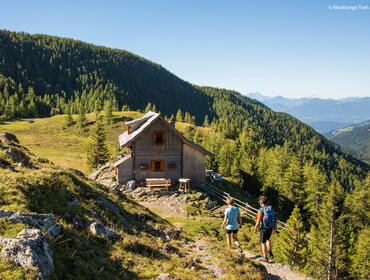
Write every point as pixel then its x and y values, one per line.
pixel 322 114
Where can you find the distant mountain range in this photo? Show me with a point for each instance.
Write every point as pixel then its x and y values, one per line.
pixel 354 140
pixel 324 115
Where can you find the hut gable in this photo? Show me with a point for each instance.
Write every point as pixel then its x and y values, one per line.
pixel 157 151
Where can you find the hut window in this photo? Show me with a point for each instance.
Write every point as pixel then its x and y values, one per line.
pixel 159 137
pixel 157 165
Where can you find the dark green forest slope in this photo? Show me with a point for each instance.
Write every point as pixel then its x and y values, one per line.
pixel 354 139
pixel 264 152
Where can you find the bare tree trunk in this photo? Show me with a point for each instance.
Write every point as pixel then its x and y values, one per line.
pixel 330 268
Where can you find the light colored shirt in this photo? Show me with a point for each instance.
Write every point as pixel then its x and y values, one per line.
pixel 232 218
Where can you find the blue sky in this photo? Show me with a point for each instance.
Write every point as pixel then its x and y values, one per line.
pixel 297 48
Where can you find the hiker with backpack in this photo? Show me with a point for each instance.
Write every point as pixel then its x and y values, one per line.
pixel 233 222
pixel 266 221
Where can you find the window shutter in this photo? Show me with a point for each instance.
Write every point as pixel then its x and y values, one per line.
pixel 154 136
pixel 152 163
pixel 162 165
pixel 116 171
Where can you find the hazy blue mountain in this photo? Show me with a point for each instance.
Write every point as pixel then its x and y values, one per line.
pixel 324 115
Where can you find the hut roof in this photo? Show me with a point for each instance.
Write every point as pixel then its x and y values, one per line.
pixel 122 160
pixel 149 118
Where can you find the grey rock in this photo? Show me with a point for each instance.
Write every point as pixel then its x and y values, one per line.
pixel 97 174
pixel 29 250
pixel 210 204
pixel 130 186
pixel 74 202
pixel 41 221
pixel 17 155
pixel 164 276
pixel 173 234
pixel 9 137
pixel 99 229
pixel 110 205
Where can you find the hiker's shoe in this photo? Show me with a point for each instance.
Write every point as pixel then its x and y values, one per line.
pixel 271 255
pixel 265 259
pixel 240 250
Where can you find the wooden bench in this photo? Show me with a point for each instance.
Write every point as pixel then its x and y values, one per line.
pixel 158 183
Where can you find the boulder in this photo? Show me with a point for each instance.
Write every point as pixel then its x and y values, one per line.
pixel 130 186
pixel 41 221
pixel 210 204
pixel 99 229
pixel 164 276
pixel 8 137
pixel 29 250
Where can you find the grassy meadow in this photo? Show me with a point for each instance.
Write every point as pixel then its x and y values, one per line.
pixel 67 146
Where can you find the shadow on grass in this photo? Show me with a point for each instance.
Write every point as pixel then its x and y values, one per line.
pixel 144 250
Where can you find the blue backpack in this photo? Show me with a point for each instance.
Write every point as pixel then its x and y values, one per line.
pixel 269 219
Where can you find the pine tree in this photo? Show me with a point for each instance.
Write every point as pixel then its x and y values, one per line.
pixel 97 109
pixel 326 247
pixel 69 117
pixel 206 121
pixel 97 153
pixel 148 108
pixel 293 182
pixel 81 117
pixel 108 111
pixel 315 188
pixel 179 116
pixel 291 248
pixel 187 117
pixel 125 108
pixel 360 268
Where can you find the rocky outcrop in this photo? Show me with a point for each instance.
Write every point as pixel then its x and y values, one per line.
pixel 104 175
pixel 209 204
pixel 99 229
pixel 29 250
pixel 17 155
pixel 7 137
pixel 35 220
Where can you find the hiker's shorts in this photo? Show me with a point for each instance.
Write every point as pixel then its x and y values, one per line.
pixel 229 231
pixel 265 234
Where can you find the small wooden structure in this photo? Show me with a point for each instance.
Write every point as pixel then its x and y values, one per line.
pixel 184 185
pixel 158 183
pixel 155 149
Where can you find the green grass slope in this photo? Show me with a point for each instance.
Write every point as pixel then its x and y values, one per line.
pixel 42 187
pixel 49 138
